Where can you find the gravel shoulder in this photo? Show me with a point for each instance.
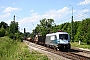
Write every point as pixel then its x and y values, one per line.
pixel 51 56
pixel 82 53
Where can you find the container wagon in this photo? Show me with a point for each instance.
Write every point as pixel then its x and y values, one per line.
pixel 40 39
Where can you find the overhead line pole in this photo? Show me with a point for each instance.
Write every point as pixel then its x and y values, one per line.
pixel 14 28
pixel 72 25
pixel 14 18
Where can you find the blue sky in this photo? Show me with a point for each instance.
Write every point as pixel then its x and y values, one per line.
pixel 29 12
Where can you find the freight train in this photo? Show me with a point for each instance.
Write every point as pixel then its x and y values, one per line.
pixel 59 40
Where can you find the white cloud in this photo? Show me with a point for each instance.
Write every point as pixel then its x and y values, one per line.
pixel 49 14
pixel 53 14
pixel 56 13
pixel 33 18
pixel 83 11
pixel 84 2
pixel 79 17
pixel 82 14
pixel 61 16
pixel 86 10
pixel 63 10
pixel 5 15
pixel 10 9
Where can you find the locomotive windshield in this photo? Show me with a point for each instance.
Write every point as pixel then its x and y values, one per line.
pixel 63 36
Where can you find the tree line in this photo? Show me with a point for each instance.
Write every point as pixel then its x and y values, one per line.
pixel 81 29
pixel 11 31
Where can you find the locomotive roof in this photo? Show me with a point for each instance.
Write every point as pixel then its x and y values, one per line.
pixel 56 33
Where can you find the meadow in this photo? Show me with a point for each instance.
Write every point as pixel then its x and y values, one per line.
pixel 16 50
pixel 82 45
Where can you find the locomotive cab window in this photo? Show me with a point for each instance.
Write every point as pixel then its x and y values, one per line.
pixel 63 36
pixel 53 37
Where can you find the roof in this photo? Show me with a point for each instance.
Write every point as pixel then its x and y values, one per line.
pixel 56 33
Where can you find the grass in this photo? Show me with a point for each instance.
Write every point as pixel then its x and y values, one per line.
pixel 13 50
pixel 82 45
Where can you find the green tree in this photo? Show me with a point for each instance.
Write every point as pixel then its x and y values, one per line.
pixel 87 32
pixel 44 27
pixel 88 35
pixel 13 28
pixel 18 36
pixel 84 28
pixel 79 34
pixel 5 25
pixel 2 31
pixel 54 28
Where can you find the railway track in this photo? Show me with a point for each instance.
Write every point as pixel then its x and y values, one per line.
pixel 80 50
pixel 70 55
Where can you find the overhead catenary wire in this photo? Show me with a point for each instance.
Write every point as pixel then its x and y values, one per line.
pixel 76 17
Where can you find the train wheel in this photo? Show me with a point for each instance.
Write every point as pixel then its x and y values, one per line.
pixel 69 46
pixel 61 48
pixel 47 45
pixel 55 48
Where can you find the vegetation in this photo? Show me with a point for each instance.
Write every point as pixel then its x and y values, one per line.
pixel 11 46
pixel 13 50
pixel 11 31
pixel 81 29
pixel 82 45
pixel 44 27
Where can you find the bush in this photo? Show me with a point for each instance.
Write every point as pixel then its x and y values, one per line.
pixel 2 32
pixel 13 50
pixel 11 35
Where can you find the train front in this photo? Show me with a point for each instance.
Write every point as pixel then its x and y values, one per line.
pixel 63 40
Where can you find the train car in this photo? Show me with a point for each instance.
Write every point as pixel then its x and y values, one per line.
pixel 36 39
pixel 29 39
pixel 60 40
pixel 41 40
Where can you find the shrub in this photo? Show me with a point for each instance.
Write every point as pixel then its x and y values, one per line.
pixel 2 32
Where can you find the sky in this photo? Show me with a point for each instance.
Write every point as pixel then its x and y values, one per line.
pixel 28 13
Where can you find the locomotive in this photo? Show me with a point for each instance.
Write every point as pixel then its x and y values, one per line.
pixel 59 40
